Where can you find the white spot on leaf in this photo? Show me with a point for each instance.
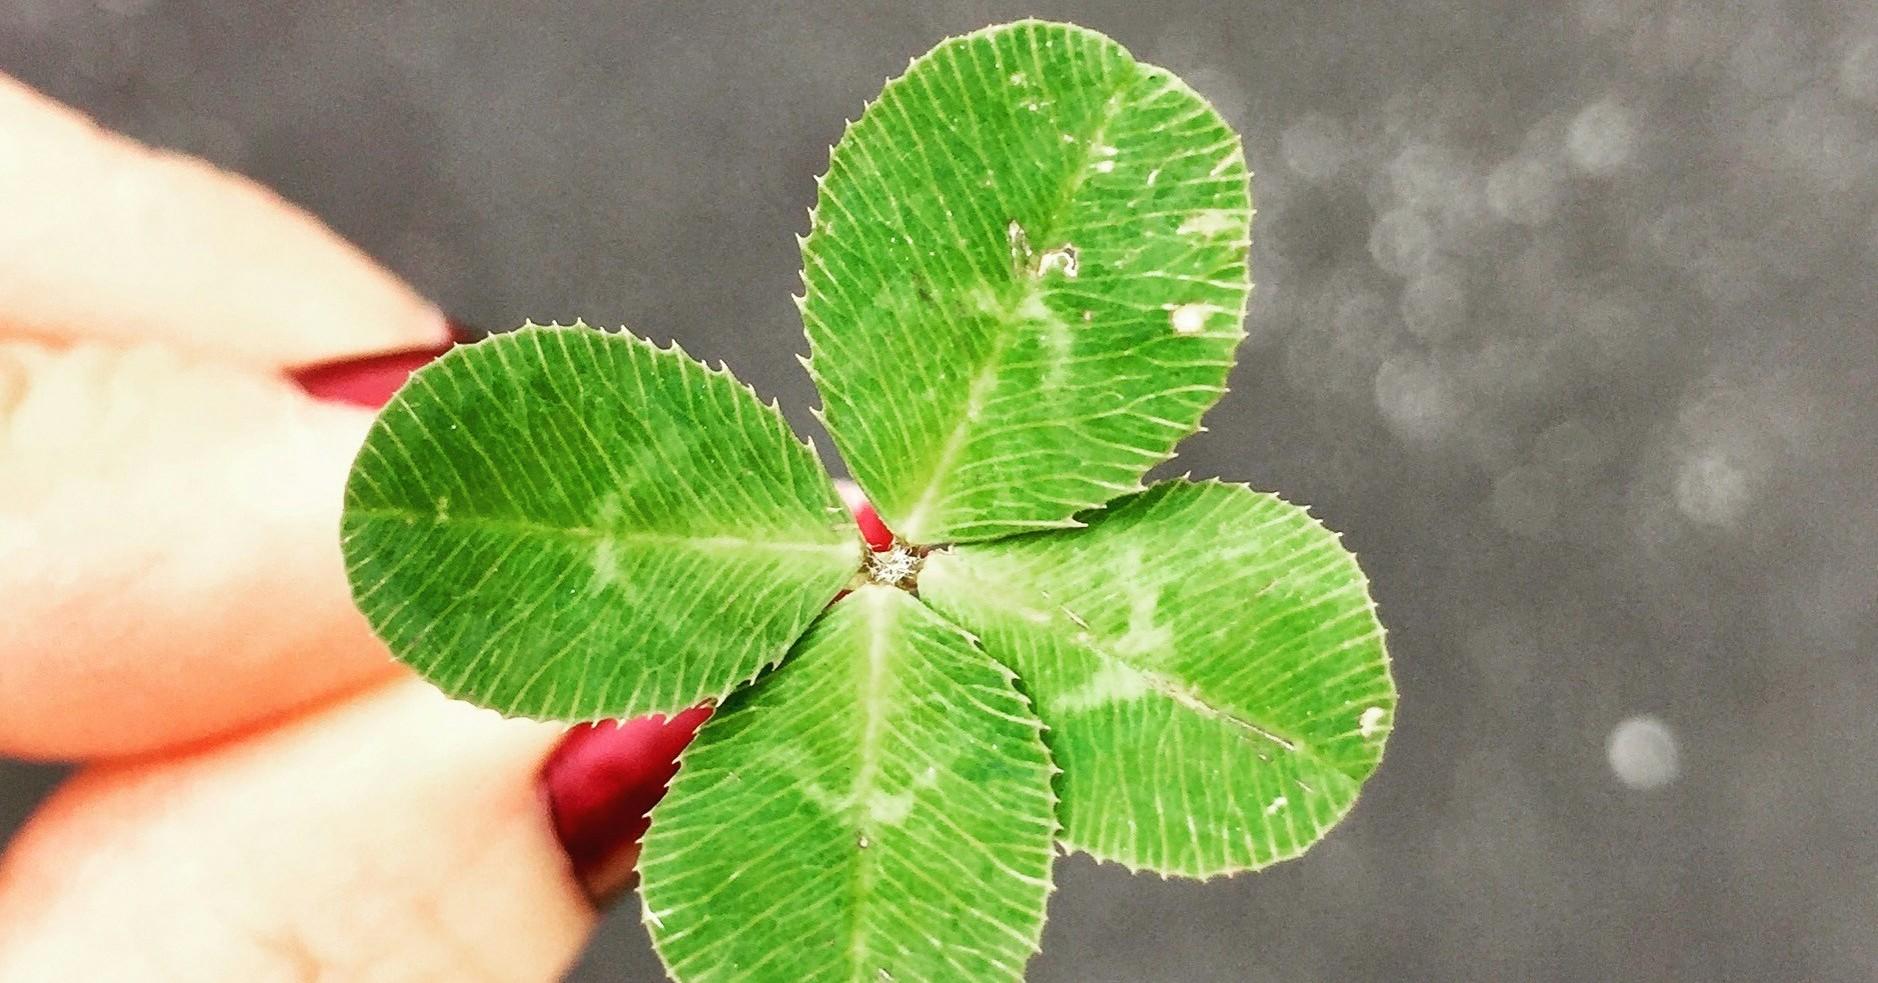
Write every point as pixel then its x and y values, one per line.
pixel 1145 635
pixel 1113 683
pixel 1210 222
pixel 1057 342
pixel 1189 319
pixel 1020 245
pixel 1276 804
pixel 1371 721
pixel 1062 260
pixel 606 565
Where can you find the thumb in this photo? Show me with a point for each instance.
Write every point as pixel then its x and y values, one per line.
pixel 396 835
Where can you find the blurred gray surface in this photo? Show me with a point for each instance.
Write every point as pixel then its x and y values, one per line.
pixel 1564 316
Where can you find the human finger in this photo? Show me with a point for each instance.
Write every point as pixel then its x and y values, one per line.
pixel 394 835
pixel 169 550
pixel 107 239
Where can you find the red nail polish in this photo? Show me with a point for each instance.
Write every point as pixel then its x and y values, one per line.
pixel 878 536
pixel 601 782
pixel 370 381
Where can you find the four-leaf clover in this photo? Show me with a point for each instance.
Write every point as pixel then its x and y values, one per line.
pixel 1025 280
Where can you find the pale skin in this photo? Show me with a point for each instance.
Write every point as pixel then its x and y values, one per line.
pixel 264 795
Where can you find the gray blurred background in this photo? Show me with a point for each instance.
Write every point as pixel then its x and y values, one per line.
pixel 1565 315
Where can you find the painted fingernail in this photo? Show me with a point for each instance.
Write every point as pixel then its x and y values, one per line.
pixel 879 537
pixel 369 381
pixel 600 784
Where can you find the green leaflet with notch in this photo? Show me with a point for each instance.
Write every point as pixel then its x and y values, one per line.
pixel 1024 281
pixel 878 808
pixel 566 524
pixel 1207 661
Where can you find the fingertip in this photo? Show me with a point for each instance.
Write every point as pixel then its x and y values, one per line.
pixel 111 240
pixel 395 831
pixel 173 570
pixel 600 784
pixel 873 529
pixel 369 381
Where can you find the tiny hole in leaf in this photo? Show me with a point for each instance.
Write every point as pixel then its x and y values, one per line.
pixel 1062 260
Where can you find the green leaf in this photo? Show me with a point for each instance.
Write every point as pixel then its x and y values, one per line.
pixel 1024 281
pixel 878 808
pixel 1207 661
pixel 560 523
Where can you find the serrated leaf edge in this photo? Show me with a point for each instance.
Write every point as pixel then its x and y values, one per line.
pixel 843 521
pixel 1070 846
pixel 1171 80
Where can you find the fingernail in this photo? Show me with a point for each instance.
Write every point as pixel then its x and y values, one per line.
pixel 879 538
pixel 600 784
pixel 370 380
